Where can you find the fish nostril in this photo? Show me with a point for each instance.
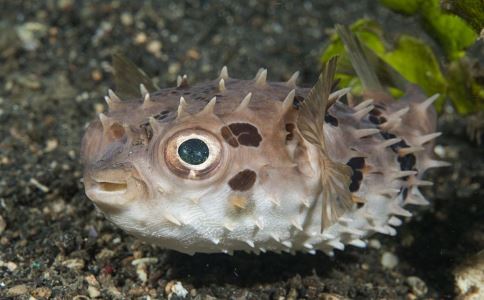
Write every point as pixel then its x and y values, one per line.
pixel 117 131
pixel 113 187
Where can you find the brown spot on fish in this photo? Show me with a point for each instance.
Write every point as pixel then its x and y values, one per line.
pixel 331 120
pixel 380 106
pixel 356 163
pixel 162 115
pixel 298 100
pixel 377 120
pixel 407 162
pixel 356 179
pixel 229 137
pixel 246 134
pixel 344 99
pixel 243 181
pixel 290 129
pixel 375 112
pixel 376 117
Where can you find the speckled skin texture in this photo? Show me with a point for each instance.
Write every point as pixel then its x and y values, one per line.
pixel 261 191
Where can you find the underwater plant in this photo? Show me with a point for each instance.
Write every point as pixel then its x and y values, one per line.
pixel 445 69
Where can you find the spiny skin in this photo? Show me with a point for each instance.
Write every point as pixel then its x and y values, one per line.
pixel 261 190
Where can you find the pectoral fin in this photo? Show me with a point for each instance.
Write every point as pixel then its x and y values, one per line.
pixel 335 176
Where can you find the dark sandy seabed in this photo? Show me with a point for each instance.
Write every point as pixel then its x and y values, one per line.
pixel 55 69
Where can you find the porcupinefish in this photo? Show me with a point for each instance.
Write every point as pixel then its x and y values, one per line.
pixel 256 165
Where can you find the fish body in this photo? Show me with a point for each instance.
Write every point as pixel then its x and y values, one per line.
pixel 258 166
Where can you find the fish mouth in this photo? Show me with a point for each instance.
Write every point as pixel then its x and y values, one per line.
pixel 113 189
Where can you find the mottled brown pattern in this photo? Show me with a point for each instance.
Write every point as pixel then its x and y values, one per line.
pixel 290 131
pixel 357 164
pixel 247 134
pixel 243 181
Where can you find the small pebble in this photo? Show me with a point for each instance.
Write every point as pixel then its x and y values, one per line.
pixel 39 185
pixel 292 295
pixel 328 296
pixel 17 290
pixel 389 260
pixel 418 286
pixel 93 292
pixel 105 254
pixel 75 263
pixel 193 54
pixel 140 38
pixel 36 265
pixel 141 271
pixel 145 260
pixel 193 293
pixel 30 34
pixel 96 75
pixel 126 19
pixel 51 145
pixel 98 107
pixel 375 244
pixel 469 278
pixel 174 68
pixel 154 47
pixel 11 266
pixel 42 293
pixel 3 224
pixel 439 150
pixel 91 280
pixel 175 288
pixel 65 4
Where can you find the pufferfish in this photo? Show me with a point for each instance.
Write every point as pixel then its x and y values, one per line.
pixel 260 166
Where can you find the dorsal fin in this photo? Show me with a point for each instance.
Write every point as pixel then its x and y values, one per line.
pixel 372 70
pixel 335 176
pixel 358 59
pixel 128 77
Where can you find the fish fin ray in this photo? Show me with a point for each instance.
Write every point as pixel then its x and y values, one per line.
pixel 335 176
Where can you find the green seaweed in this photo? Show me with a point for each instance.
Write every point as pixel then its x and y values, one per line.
pixel 407 7
pixel 415 60
pixel 452 33
pixel 470 10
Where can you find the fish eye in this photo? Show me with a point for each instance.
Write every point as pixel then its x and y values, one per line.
pixel 193 153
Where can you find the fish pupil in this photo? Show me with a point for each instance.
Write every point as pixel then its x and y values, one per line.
pixel 193 151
